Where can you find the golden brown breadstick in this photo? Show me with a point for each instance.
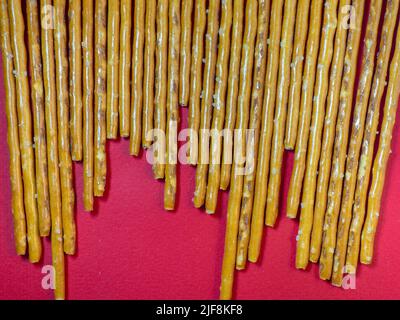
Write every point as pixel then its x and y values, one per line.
pixel 219 106
pixel 296 73
pixel 88 84
pixel 317 123
pixel 196 77
pixel 235 197
pixel 148 86
pixel 354 162
pixel 112 68
pixel 260 56
pixel 277 149
pixel 12 133
pixel 172 104
pixel 211 43
pixel 100 97
pixel 160 78
pixel 75 77
pixel 39 126
pixel 264 149
pixel 137 77
pixel 17 28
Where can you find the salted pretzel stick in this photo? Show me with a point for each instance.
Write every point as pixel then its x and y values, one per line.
pixel 149 61
pixel 113 68
pixel 235 196
pixel 172 104
pixel 100 97
pixel 39 126
pixel 196 77
pixel 231 98
pixel 160 79
pixel 260 56
pixel 12 133
pixel 219 106
pixel 75 77
pixel 317 124
pixel 67 192
pixel 382 158
pixel 186 38
pixel 137 77
pixel 296 73
pixel 277 149
pixel 88 84
pixel 125 68
pixel 211 43
pixel 270 86
pixel 332 106
pixel 17 28
pixel 356 142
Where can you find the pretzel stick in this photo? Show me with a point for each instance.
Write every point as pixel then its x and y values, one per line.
pixel 235 197
pixel 277 149
pixel 137 77
pixel 340 144
pixel 17 28
pixel 113 68
pixel 75 77
pixel 196 71
pixel 12 133
pixel 172 104
pixel 381 159
pixel 211 43
pixel 270 86
pixel 255 123
pixel 317 124
pixel 219 106
pixel 100 97
pixel 296 73
pixel 160 98
pixel 88 83
pixel 39 126
pixel 148 88
pixel 186 38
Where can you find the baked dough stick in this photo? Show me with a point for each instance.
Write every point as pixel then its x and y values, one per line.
pixel 39 126
pixel 306 106
pixel 149 61
pixel 340 144
pixel 332 106
pixel 277 149
pixel 172 104
pixel 112 68
pixel 186 38
pixel 100 99
pixel 260 56
pixel 17 29
pixel 296 73
pixel 371 126
pixel 12 133
pixel 75 77
pixel 196 71
pixel 382 158
pixel 137 77
pixel 67 191
pixel 238 169
pixel 231 98
pixel 88 83
pixel 160 78
pixel 260 193
pixel 219 106
pixel 211 43
pixel 125 68
pixel 317 124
